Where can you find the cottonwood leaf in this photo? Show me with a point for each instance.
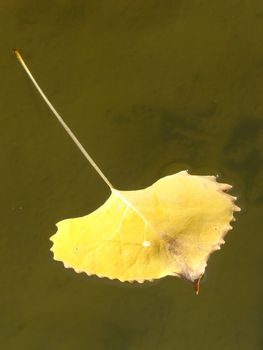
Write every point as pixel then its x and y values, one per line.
pixel 169 228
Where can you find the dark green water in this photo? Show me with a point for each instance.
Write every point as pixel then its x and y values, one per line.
pixel 150 88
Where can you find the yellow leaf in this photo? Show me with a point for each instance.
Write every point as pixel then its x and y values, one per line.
pixel 169 228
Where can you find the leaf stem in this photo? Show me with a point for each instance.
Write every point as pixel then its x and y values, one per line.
pixel 60 119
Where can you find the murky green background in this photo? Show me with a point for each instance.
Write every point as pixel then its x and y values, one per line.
pixel 150 88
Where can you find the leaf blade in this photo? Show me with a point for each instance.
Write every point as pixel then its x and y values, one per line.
pixel 169 228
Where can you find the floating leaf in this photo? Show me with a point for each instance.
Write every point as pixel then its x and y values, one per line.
pixel 169 228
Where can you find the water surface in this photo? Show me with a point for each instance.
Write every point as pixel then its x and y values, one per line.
pixel 150 88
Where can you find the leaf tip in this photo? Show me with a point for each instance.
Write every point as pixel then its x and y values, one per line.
pixel 196 285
